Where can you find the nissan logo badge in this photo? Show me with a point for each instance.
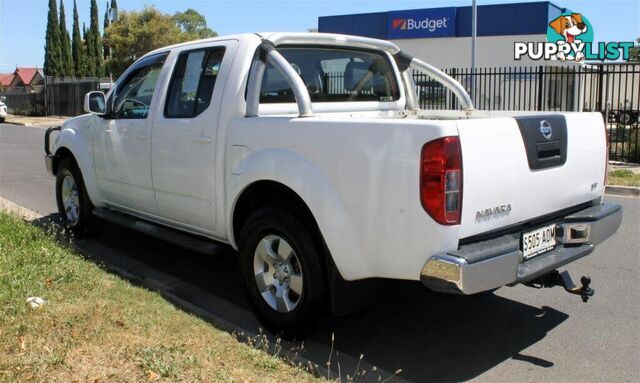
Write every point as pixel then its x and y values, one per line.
pixel 545 129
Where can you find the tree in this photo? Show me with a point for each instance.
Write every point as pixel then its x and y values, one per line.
pixel 52 52
pixel 194 24
pixel 77 46
pixel 90 49
pixel 634 53
pixel 105 25
pixel 111 14
pixel 65 45
pixel 94 48
pixel 136 33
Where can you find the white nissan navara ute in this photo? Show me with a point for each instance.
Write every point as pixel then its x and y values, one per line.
pixel 323 182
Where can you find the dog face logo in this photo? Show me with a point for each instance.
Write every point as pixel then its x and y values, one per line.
pixel 399 24
pixel 569 26
pixel 569 32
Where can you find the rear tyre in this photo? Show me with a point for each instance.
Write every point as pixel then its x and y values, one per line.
pixel 282 272
pixel 73 202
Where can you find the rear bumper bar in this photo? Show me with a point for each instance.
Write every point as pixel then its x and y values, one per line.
pixel 497 262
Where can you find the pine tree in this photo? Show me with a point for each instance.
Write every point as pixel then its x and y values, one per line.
pixel 65 45
pixel 95 48
pixel 105 25
pixel 52 52
pixel 77 48
pixel 89 61
pixel 85 41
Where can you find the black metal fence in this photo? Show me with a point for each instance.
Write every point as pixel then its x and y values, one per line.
pixel 542 88
pixel 23 103
pixel 612 89
pixel 58 97
pixel 65 96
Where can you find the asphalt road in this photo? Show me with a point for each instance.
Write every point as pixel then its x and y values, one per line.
pixel 517 334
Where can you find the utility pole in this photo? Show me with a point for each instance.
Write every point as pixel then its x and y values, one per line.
pixel 474 27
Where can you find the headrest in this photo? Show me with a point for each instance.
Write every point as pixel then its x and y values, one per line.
pixel 354 72
pixel 273 81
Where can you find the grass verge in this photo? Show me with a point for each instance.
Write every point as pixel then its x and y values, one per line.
pixel 624 177
pixel 97 327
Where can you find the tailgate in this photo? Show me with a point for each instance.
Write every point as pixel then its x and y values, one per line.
pixel 517 169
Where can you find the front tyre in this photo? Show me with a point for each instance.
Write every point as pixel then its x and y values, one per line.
pixel 73 202
pixel 282 272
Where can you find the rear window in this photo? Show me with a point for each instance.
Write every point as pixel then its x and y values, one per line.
pixel 332 75
pixel 192 83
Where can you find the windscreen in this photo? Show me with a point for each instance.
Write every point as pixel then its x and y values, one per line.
pixel 332 75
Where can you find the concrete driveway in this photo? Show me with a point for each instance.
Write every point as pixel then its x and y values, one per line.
pixel 517 334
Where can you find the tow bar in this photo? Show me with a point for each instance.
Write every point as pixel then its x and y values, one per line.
pixel 556 278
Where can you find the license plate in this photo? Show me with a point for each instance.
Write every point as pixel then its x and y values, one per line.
pixel 538 241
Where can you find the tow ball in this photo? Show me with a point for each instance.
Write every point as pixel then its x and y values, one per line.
pixel 556 278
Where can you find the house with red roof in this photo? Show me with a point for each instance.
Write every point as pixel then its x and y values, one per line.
pixel 22 80
pixel 5 80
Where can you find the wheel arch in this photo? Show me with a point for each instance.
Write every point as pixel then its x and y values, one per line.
pixel 61 154
pixel 270 193
pixel 71 143
pixel 289 171
pixel 345 297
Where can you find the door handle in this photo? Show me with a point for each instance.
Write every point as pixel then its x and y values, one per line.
pixel 143 136
pixel 202 140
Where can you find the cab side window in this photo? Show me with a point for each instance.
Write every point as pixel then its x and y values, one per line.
pixel 192 82
pixel 133 97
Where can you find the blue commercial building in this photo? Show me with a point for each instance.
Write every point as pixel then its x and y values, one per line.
pixel 441 35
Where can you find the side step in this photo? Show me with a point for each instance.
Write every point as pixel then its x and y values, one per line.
pixel 188 241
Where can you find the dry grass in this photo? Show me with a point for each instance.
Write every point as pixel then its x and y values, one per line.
pixel 624 177
pixel 95 327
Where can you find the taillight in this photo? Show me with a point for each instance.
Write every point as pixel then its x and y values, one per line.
pixel 441 180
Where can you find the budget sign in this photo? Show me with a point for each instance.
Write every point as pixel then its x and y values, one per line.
pixel 413 24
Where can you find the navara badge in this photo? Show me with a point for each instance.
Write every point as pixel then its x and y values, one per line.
pixel 493 212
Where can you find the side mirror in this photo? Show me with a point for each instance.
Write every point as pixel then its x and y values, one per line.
pixel 95 102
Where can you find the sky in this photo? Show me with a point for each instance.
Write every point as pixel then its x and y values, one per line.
pixel 23 22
